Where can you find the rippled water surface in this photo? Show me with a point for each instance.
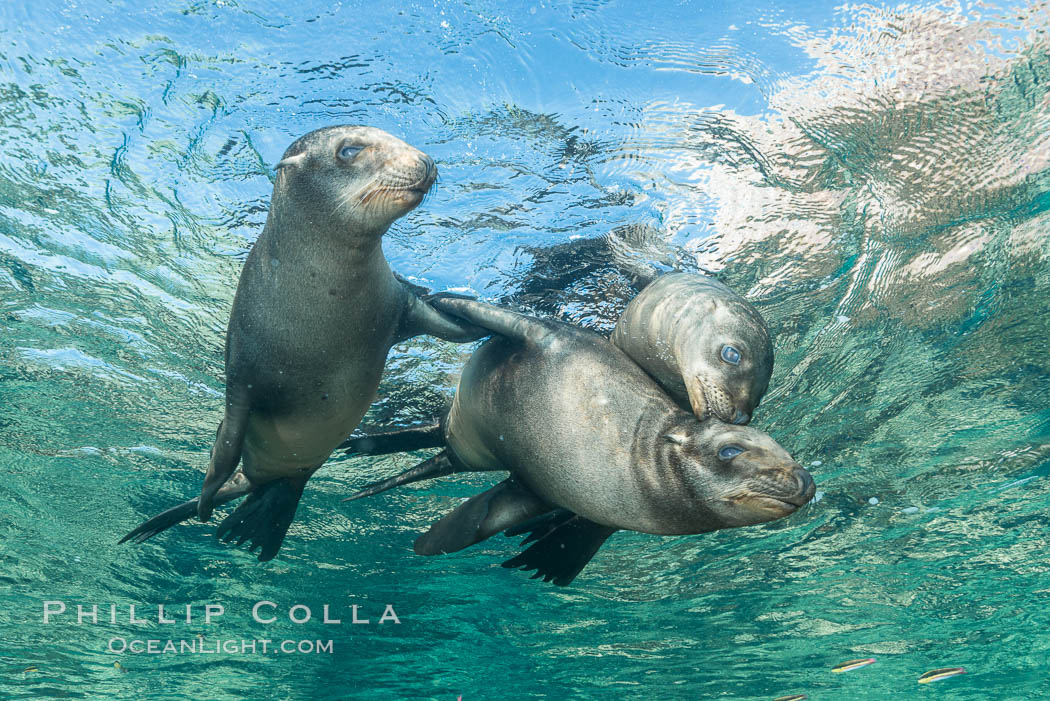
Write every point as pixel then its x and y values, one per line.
pixel 876 181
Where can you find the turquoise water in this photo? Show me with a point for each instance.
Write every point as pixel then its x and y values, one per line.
pixel 877 181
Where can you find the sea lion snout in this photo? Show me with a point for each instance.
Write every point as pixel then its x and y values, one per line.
pixel 408 170
pixel 431 170
pixel 710 398
pixel 805 487
pixel 783 488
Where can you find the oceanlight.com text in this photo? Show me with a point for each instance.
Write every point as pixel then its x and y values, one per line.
pixel 229 646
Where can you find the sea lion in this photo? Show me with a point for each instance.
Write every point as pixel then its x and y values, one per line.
pixel 316 311
pixel 581 427
pixel 707 346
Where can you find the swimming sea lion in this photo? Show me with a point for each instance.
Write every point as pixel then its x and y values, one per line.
pixel 581 427
pixel 707 346
pixel 316 311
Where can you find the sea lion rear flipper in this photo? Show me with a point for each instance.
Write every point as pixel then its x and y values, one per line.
pixel 437 466
pixel 263 518
pixel 480 517
pixel 225 454
pixel 422 318
pixel 564 544
pixel 401 440
pixel 236 487
pixel 541 525
pixel 498 320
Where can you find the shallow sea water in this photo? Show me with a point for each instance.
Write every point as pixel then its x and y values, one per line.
pixel 876 180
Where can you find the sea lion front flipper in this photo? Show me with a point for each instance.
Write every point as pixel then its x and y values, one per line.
pixel 263 518
pixel 498 320
pixel 417 290
pixel 437 466
pixel 422 318
pixel 480 517
pixel 564 544
pixel 401 440
pixel 225 454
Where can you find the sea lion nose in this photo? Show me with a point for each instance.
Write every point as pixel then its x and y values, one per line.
pixel 429 169
pixel 739 418
pixel 806 486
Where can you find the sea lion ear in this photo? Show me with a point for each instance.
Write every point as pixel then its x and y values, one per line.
pixel 676 437
pixel 290 161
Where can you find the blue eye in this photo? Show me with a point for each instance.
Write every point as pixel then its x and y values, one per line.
pixel 348 152
pixel 731 355
pixel 730 451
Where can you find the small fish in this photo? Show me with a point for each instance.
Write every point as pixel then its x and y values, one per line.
pixel 30 670
pixel 122 668
pixel 852 664
pixel 793 697
pixel 937 674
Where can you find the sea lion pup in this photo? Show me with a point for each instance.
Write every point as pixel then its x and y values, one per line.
pixel 316 311
pixel 707 346
pixel 581 427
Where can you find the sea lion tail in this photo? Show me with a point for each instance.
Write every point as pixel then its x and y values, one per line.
pixel 401 440
pixel 263 518
pixel 437 466
pixel 562 545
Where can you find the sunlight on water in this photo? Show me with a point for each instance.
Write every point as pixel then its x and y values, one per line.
pixel 876 181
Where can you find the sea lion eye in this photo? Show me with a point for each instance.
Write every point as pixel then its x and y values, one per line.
pixel 729 452
pixel 731 355
pixel 347 153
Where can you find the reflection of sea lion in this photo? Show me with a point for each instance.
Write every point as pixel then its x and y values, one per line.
pixel 589 281
pixel 705 345
pixel 316 312
pixel 581 427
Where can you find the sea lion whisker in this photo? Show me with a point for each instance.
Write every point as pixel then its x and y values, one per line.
pixel 351 196
pixel 342 202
